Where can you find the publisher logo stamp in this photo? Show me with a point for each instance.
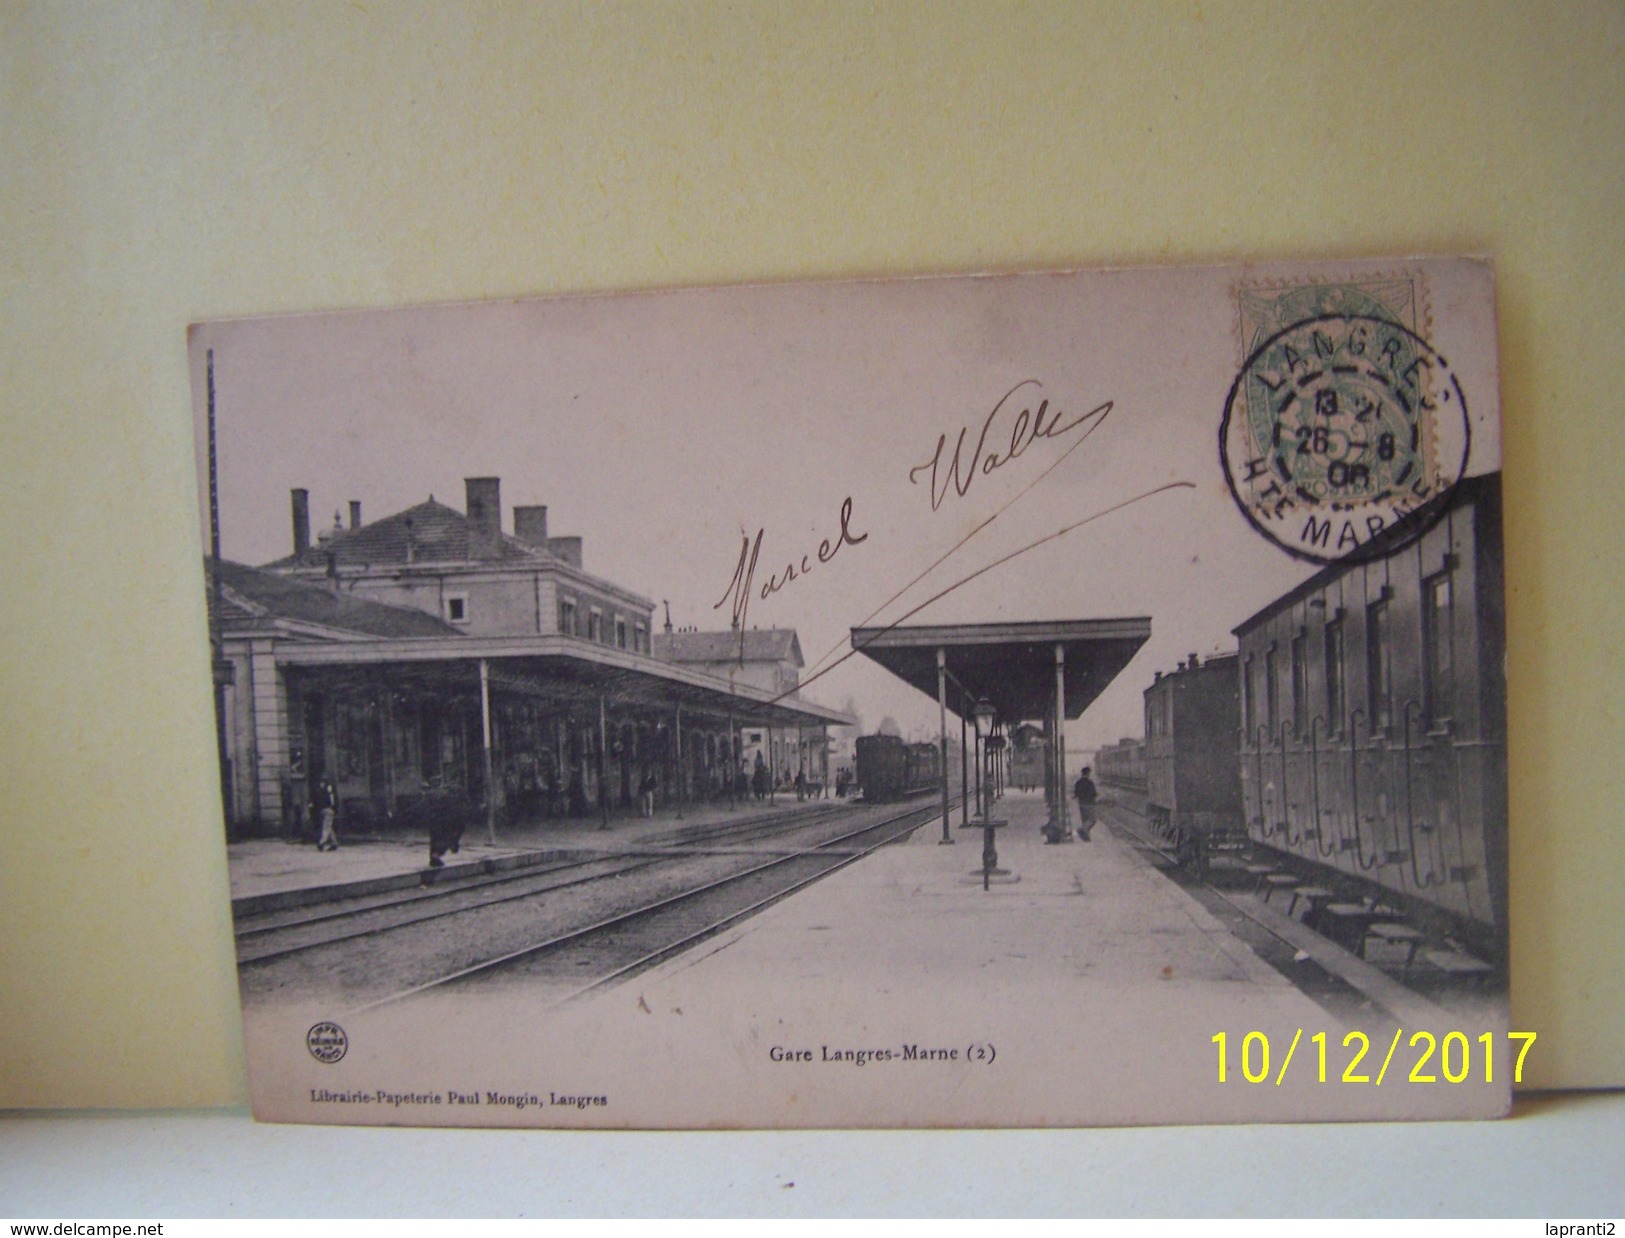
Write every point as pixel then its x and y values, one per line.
pixel 327 1042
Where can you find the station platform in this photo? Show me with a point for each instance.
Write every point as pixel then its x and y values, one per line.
pixel 271 873
pixel 1083 987
pixel 1065 911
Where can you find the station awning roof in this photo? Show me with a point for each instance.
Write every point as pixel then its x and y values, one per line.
pixel 1012 665
pixel 557 668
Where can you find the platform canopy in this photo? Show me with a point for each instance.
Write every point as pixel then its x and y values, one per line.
pixel 1011 665
pixel 559 669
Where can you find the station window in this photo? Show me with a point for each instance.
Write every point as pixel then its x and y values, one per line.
pixel 640 639
pixel 1379 666
pixel 620 632
pixel 1438 648
pixel 1300 682
pixel 595 625
pixel 1336 685
pixel 567 616
pixel 1272 692
pixel 456 608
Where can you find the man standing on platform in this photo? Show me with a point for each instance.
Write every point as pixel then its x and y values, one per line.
pixel 1084 792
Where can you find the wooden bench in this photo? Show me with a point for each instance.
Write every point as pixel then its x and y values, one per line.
pixel 1276 881
pixel 1395 935
pixel 1315 896
pixel 1258 872
pixel 1459 966
pixel 1346 924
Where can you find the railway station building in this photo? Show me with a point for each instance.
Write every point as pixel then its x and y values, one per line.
pixel 432 664
pixel 765 658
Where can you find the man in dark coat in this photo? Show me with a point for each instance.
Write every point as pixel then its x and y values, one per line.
pixel 1084 792
pixel 326 799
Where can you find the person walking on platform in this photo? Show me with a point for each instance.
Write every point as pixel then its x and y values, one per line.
pixel 646 789
pixel 759 779
pixel 1084 792
pixel 326 800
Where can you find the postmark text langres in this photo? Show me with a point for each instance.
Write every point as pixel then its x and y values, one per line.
pixel 452 1097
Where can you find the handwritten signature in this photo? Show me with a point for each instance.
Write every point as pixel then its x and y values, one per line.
pixel 1026 428
pixel 742 586
pixel 958 472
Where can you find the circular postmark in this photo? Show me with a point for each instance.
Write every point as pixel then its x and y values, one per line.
pixel 327 1042
pixel 1343 436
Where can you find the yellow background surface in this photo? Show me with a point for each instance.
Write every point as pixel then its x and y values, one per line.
pixel 168 162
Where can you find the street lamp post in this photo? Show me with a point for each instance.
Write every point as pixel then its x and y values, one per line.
pixel 982 714
pixel 995 747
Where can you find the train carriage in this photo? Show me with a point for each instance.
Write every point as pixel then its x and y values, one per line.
pixel 1189 760
pixel 1122 765
pixel 1373 734
pixel 890 769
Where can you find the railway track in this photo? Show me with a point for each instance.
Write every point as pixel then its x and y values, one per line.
pixel 630 940
pixel 273 935
pixel 1337 994
pixel 1145 837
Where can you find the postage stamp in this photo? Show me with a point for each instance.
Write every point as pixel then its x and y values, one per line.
pixel 1344 423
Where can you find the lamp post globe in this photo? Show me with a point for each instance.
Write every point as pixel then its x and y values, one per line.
pixel 982 715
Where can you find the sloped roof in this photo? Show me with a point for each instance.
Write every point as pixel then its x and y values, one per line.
pixel 1012 665
pixel 1482 490
pixel 436 534
pixel 251 597
pixel 750 645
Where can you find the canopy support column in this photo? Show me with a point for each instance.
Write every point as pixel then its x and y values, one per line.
pixel 485 752
pixel 603 764
pixel 823 760
pixel 733 760
pixel 964 766
pixel 1058 815
pixel 942 718
pixel 678 767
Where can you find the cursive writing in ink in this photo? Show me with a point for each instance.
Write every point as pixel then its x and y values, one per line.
pixel 1028 426
pixel 743 583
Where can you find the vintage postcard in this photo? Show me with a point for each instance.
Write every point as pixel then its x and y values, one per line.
pixel 1057 699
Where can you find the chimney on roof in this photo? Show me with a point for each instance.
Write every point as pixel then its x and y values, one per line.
pixel 566 548
pixel 301 521
pixel 530 526
pixel 355 513
pixel 484 502
pixel 484 516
